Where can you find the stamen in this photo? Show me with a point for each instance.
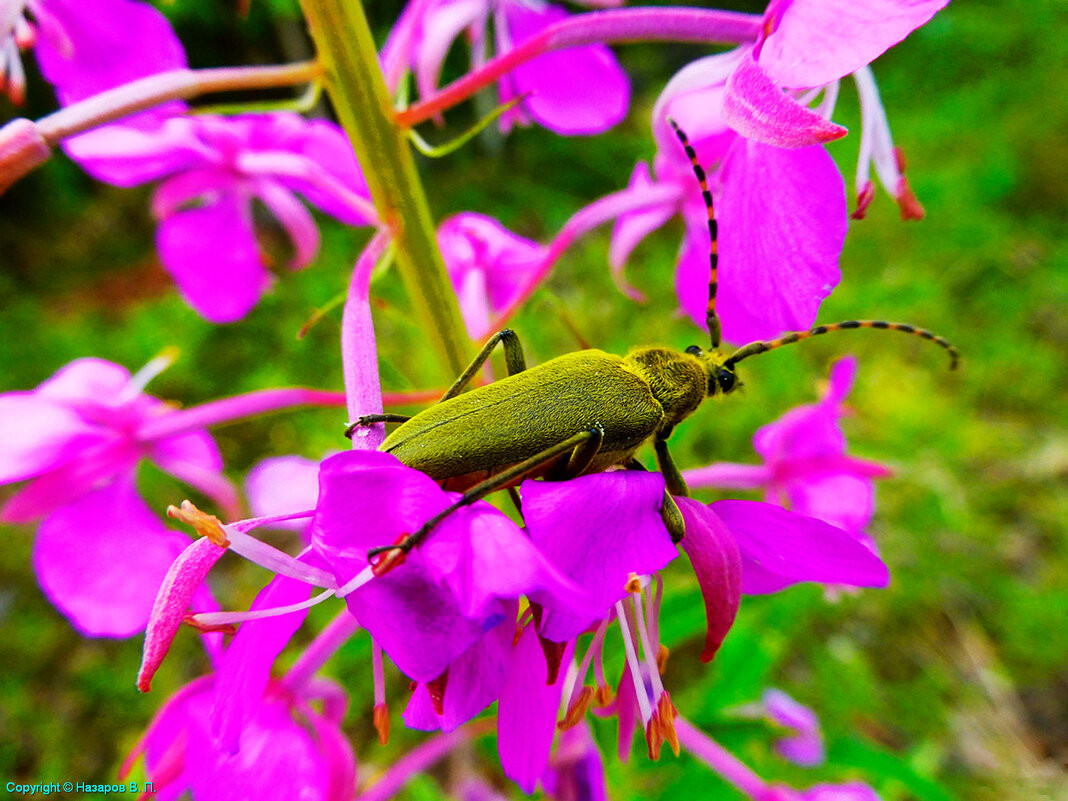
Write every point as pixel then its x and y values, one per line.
pixel 139 380
pixel 213 619
pixel 277 561
pixel 648 652
pixel 356 582
pixel 206 525
pixel 632 665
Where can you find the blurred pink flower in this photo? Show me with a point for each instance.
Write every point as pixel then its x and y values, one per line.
pixel 84 46
pixel 77 439
pixel 806 467
pixel 803 744
pixel 212 170
pixel 581 90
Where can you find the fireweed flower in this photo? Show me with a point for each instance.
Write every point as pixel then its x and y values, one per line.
pixel 806 467
pixel 213 168
pixel 489 266
pixel 582 90
pixel 804 744
pixel 780 200
pixel 84 46
pixel 100 553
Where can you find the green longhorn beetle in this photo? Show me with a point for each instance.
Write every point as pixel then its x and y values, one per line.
pixel 580 413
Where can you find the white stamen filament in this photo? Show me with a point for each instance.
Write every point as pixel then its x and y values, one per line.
pixel 276 561
pixel 139 380
pixel 378 673
pixel 356 582
pixel 633 667
pixel 579 679
pixel 647 648
pixel 209 619
pixel 876 144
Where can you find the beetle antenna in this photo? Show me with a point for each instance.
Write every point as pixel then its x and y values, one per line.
pixel 714 328
pixel 754 348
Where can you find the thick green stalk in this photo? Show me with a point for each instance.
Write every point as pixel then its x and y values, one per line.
pixel 355 84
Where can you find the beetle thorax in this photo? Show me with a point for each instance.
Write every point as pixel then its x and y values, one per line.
pixel 677 380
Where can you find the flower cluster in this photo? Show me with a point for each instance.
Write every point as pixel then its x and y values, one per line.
pixel 547 616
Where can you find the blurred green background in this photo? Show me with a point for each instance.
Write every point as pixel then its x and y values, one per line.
pixel 950 684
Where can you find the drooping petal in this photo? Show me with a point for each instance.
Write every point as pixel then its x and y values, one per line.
pixel 212 254
pixel 101 559
pixel 817 41
pixel 475 680
pixel 757 108
pixel 598 530
pixel 780 548
pixel 718 565
pixel 526 713
pixel 442 23
pixel 368 499
pixel 576 769
pixel 782 222
pixel 577 91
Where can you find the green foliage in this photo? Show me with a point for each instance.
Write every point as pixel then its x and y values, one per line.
pixel 947 685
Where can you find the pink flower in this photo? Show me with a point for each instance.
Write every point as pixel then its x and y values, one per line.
pixel 806 467
pixel 581 90
pixel 213 168
pixel 803 744
pixel 489 267
pixel 780 201
pixel 77 439
pixel 85 46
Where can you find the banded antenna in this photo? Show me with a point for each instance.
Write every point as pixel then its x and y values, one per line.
pixel 754 348
pixel 712 319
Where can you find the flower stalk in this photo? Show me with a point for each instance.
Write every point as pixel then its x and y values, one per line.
pixel 355 84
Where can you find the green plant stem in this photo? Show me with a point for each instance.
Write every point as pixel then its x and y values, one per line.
pixel 355 84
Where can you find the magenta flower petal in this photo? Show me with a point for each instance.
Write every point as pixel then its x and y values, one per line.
pixel 576 770
pixel 176 591
pixel 101 559
pixel 780 548
pixel 805 745
pixel 474 681
pixel 598 530
pixel 442 23
pixel 853 791
pixel 526 713
pixel 728 475
pixel 783 223
pixel 246 667
pixel 281 485
pixel 581 90
pixel 38 434
pixel 125 155
pixel 295 219
pixel 631 228
pixel 87 384
pixel 212 254
pixel 488 265
pixel 111 42
pixel 718 565
pixel 818 41
pixel 368 499
pixel 757 108
pixel 845 501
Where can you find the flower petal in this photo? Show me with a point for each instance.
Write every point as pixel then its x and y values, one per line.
pixel 631 228
pixel 526 713
pixel 805 745
pixel 101 559
pixel 578 91
pixel 718 565
pixel 125 155
pixel 783 222
pixel 757 108
pixel 294 218
pixel 780 548
pixel 211 253
pixel 39 434
pixel 283 484
pixel 597 529
pixel 818 41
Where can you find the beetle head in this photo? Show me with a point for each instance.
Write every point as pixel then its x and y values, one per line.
pixel 722 379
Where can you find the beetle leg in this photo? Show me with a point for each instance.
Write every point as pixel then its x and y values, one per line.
pixel 673 479
pixel 371 419
pixel 584 453
pixel 673 519
pixel 393 555
pixel 513 357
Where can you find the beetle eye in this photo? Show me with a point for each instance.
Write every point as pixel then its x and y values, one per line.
pixel 693 350
pixel 725 379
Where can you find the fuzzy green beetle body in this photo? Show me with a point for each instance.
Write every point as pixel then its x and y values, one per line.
pixel 471 437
